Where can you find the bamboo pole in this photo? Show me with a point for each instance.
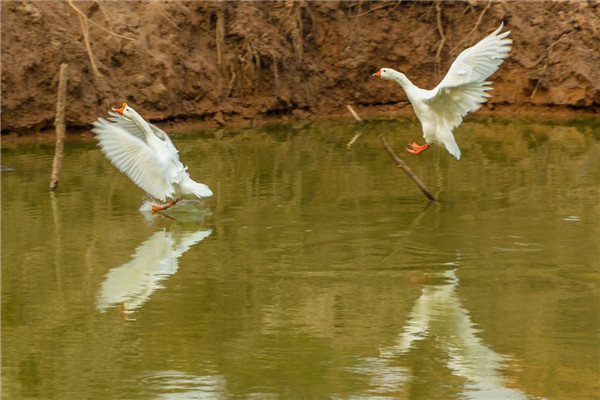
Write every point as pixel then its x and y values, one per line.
pixel 395 158
pixel 59 124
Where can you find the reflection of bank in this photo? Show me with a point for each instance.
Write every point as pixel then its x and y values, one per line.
pixel 131 284
pixel 438 315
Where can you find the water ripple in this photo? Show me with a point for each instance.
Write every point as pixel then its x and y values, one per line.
pixel 181 385
pixel 520 247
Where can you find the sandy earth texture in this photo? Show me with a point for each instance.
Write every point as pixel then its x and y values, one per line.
pixel 232 61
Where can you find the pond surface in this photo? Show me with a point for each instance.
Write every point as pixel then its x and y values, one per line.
pixel 315 272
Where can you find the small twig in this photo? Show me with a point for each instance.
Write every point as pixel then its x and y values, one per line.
pixel 83 21
pixel 169 19
pixel 361 123
pixel 376 8
pixel 81 14
pixel 59 124
pixel 231 81
pixel 275 68
pixel 355 115
pixel 406 169
pixel 547 60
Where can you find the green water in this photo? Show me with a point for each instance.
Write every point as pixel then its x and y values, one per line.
pixel 315 271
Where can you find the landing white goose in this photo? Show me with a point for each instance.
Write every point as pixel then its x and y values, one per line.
pixel 147 156
pixel 462 90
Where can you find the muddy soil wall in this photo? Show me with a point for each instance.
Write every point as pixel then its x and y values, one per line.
pixel 227 61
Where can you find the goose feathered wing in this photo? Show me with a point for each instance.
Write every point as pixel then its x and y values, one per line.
pixel 464 87
pixel 137 131
pixel 132 156
pixel 128 125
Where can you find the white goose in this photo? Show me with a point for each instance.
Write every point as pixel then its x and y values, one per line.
pixel 462 90
pixel 147 156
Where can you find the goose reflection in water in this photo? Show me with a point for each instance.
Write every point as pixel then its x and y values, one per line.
pixel 131 284
pixel 438 314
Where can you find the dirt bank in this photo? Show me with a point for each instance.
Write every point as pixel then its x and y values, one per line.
pixel 226 61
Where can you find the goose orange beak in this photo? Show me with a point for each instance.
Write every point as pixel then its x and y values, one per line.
pixel 120 110
pixel 378 73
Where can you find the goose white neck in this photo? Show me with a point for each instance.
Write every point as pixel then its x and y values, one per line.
pixel 137 118
pixel 399 78
pixel 412 92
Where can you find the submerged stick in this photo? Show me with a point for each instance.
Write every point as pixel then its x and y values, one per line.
pixel 396 159
pixel 406 169
pixel 59 124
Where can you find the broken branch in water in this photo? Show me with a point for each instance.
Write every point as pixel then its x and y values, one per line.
pixel 361 123
pixel 396 159
pixel 406 169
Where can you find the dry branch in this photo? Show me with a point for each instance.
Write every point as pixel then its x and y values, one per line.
pixel 396 159
pixel 543 69
pixel 85 31
pixel 167 17
pixel 406 169
pixel 395 4
pixel 360 121
pixel 231 81
pixel 82 15
pixel 59 123
pixel 489 3
pixel 355 115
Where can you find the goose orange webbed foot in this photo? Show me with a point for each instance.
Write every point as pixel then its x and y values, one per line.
pixel 417 149
pixel 160 207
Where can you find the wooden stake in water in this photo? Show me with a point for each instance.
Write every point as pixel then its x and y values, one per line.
pixel 396 159
pixel 59 125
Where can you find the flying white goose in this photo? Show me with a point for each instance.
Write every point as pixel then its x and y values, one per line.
pixel 147 156
pixel 462 90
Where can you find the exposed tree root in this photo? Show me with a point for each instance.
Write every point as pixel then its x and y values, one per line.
pixel 488 5
pixel 220 32
pixel 438 53
pixel 85 30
